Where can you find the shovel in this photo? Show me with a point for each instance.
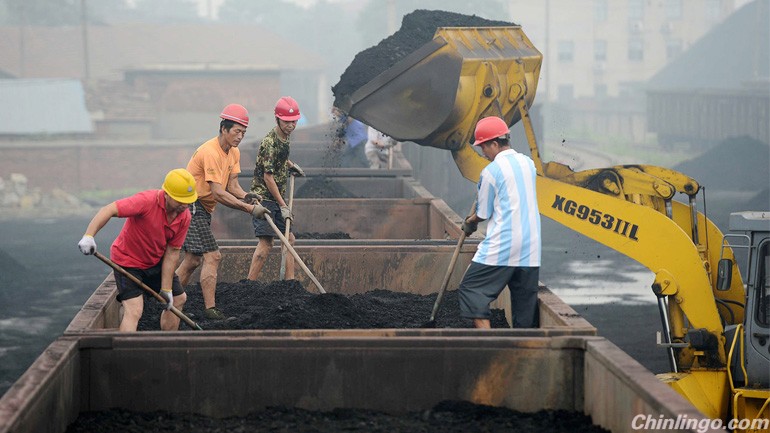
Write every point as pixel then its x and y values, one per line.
pixel 157 296
pixel 288 224
pixel 432 322
pixel 294 253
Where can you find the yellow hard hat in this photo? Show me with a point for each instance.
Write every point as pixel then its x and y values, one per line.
pixel 180 185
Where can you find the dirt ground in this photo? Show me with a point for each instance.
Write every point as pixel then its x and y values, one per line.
pixel 447 416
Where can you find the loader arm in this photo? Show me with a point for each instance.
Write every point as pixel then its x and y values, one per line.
pixel 652 239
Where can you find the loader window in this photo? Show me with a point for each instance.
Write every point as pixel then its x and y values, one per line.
pixel 763 285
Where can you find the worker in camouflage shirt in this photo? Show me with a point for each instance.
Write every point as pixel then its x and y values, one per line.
pixel 271 173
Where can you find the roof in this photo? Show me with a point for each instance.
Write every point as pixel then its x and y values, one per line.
pixel 732 54
pixel 27 108
pixel 58 51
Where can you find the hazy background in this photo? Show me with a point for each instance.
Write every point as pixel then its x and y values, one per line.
pixel 100 98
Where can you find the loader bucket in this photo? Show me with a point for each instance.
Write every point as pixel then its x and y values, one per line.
pixel 435 95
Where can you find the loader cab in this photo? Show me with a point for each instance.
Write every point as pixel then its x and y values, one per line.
pixel 750 239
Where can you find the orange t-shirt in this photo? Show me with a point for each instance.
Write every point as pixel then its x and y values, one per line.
pixel 211 164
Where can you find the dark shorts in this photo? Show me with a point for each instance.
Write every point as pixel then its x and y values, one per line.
pixel 199 238
pixel 262 227
pixel 128 289
pixel 482 284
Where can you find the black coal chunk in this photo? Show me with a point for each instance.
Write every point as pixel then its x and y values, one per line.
pixel 417 29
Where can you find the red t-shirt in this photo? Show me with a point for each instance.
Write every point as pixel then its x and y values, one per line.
pixel 145 234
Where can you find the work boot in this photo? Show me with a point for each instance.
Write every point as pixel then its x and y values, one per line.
pixel 214 313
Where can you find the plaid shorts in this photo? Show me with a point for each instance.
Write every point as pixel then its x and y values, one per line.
pixel 199 238
pixel 262 227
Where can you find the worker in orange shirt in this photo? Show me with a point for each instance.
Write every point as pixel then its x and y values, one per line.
pixel 215 167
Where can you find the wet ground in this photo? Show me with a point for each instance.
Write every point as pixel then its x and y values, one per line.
pixel 447 416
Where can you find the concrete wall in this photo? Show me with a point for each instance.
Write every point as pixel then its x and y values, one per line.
pixel 86 167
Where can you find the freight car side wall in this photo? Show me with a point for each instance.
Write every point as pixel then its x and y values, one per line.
pixel 382 218
pixel 708 117
pixel 397 374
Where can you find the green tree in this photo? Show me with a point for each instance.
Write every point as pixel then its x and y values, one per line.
pixel 108 11
pixel 279 16
pixel 42 12
pixel 167 11
pixel 326 29
pixel 63 12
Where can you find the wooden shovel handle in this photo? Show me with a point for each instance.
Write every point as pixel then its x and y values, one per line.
pixel 155 294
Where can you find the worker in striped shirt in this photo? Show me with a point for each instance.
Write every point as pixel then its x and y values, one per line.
pixel 510 252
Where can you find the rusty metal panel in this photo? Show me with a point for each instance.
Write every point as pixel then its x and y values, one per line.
pixel 323 370
pixel 46 398
pixel 357 269
pixel 358 218
pixel 395 374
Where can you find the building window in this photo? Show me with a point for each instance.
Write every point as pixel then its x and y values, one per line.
pixel 673 9
pixel 600 10
pixel 635 9
pixel 600 91
pixel 566 51
pixel 673 48
pixel 565 93
pixel 600 50
pixel 713 10
pixel 635 49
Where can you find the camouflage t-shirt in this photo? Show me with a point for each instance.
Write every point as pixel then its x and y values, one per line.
pixel 272 157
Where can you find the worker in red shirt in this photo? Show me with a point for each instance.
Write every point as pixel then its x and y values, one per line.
pixel 149 245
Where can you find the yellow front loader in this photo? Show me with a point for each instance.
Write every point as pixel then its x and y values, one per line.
pixel 435 95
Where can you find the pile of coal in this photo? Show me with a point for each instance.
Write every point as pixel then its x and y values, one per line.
pixel 735 164
pixel 323 187
pixel 417 29
pixel 318 235
pixel 735 172
pixel 445 417
pixel 288 305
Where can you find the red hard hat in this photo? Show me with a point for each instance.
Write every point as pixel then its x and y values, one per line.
pixel 237 113
pixel 287 109
pixel 490 128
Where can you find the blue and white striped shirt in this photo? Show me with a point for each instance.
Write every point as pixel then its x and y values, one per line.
pixel 507 199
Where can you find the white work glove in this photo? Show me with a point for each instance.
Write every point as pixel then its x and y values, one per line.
pixel 259 211
pixel 286 213
pixel 87 245
pixel 166 293
pixel 296 170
